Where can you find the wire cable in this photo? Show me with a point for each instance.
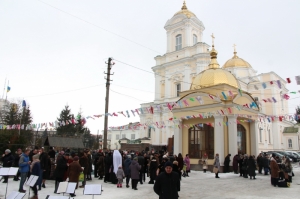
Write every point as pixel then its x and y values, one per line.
pixel 111 32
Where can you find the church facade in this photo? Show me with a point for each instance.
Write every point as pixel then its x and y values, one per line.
pixel 241 121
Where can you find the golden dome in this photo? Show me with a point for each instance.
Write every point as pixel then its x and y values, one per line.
pixel 214 75
pixel 235 61
pixel 185 11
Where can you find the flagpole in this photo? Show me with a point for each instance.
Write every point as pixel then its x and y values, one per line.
pixel 4 88
pixel 7 91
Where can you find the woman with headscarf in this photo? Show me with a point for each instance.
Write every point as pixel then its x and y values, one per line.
pixel 251 167
pixel 204 162
pixel 35 169
pixel 217 165
pixel 73 172
pixel 288 169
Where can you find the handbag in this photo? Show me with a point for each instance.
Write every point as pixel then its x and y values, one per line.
pixel 215 170
pixel 81 177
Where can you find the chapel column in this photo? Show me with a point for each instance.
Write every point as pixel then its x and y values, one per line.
pixel 232 136
pixel 178 138
pixel 254 131
pixel 219 138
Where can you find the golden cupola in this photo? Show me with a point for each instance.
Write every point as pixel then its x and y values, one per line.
pixel 214 75
pixel 237 62
pixel 185 11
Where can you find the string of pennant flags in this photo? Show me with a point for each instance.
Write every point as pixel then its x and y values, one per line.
pixel 181 103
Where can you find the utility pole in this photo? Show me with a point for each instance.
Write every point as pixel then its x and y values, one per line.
pixel 109 65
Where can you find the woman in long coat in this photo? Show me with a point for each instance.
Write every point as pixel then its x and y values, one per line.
pixel 135 174
pixel 251 167
pixel 204 162
pixel 180 161
pixel 217 165
pixel 108 160
pixel 235 163
pixel 74 171
pixel 188 164
pixel 101 166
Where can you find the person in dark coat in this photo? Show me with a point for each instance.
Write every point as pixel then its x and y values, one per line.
pixel 8 160
pixel 74 171
pixel 274 171
pixel 135 174
pixel 235 163
pixel 176 169
pixel 259 162
pixel 152 170
pixel 241 160
pixel 100 165
pixel 179 159
pixel 141 161
pixel 90 166
pixel 167 183
pixel 251 167
pixel 61 168
pixel 127 171
pixel 95 163
pixel 35 169
pixel 44 161
pixel 226 163
pixel 245 166
pixel 266 164
pixel 108 166
pixel 84 162
pixel 16 163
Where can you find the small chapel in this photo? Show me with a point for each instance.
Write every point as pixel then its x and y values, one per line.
pixel 231 114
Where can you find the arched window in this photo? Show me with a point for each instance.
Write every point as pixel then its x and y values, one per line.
pixel 195 40
pixel 201 141
pixel 178 42
pixel 178 89
pixel 241 138
pixel 290 143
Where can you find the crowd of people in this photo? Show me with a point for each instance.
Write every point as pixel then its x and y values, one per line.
pixel 281 170
pixel 164 170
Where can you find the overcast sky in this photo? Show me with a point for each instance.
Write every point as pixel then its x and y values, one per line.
pixel 53 52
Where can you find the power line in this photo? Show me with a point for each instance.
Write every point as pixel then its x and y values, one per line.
pixel 63 91
pixel 128 96
pixel 72 15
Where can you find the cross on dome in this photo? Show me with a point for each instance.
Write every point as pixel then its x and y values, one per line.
pixel 213 39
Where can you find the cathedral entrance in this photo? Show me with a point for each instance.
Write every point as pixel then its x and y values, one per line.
pixel 201 141
pixel 241 139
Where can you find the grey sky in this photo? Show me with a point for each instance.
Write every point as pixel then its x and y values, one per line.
pixel 44 50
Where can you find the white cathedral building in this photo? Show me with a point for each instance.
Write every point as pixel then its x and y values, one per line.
pixel 188 61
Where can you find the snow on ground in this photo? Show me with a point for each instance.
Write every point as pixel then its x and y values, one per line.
pixel 198 185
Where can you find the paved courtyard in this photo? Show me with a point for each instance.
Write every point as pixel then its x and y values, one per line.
pixel 198 185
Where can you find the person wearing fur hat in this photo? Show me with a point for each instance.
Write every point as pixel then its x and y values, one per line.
pixel 35 169
pixel 167 183
pixel 7 159
pixel 74 171
pixel 120 175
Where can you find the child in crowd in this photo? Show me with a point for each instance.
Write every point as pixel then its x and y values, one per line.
pixel 184 170
pixel 120 176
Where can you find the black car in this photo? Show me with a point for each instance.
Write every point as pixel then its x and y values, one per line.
pixel 294 158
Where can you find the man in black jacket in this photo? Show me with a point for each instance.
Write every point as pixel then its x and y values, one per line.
pixel 141 162
pixel 61 168
pixel 167 183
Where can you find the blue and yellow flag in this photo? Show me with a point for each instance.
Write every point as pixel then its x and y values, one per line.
pixel 8 89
